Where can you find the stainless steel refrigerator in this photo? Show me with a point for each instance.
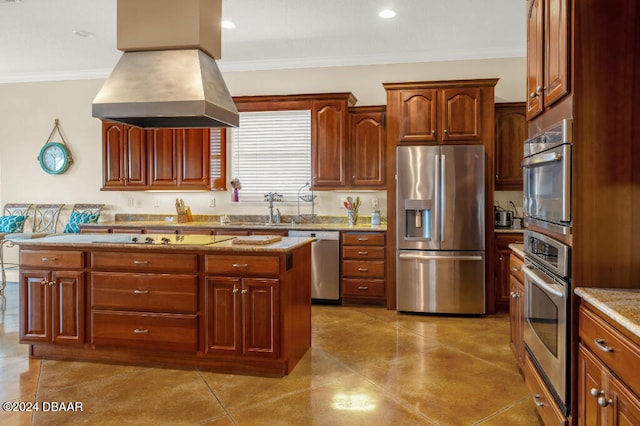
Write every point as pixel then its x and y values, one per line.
pixel 440 210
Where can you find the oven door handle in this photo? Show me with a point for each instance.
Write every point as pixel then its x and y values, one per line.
pixel 539 279
pixel 539 159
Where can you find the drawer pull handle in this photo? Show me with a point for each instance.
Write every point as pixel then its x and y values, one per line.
pixel 140 291
pixel 363 287
pixel 240 265
pixel 363 269
pixel 363 239
pixel 537 400
pixel 141 330
pixel 363 253
pixel 140 262
pixel 600 344
pixel 515 268
pixel 49 259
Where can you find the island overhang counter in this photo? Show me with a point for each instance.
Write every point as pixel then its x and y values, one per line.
pixel 179 301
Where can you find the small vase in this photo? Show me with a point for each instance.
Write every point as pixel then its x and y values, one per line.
pixel 352 218
pixel 235 195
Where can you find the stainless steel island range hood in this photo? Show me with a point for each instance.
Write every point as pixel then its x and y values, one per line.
pixel 167 75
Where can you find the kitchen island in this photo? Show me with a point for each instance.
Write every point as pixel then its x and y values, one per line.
pixel 203 301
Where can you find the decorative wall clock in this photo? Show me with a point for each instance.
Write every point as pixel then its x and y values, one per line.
pixel 55 158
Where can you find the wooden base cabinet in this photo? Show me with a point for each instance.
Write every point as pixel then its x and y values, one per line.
pixel 224 310
pixel 242 316
pixel 608 380
pixel 363 267
pixel 516 308
pixel 52 298
pixel 502 272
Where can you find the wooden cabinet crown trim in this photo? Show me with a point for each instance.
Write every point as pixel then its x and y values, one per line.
pixel 441 84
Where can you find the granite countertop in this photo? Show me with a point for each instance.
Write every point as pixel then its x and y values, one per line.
pixel 508 230
pixel 517 249
pixel 177 242
pixel 621 305
pixel 248 225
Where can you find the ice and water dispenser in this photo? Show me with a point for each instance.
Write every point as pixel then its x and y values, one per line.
pixel 417 218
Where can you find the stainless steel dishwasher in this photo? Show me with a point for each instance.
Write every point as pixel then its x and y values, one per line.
pixel 325 264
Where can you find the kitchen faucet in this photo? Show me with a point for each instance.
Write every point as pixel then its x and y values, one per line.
pixel 271 197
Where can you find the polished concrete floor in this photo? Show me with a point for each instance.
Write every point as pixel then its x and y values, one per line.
pixel 367 366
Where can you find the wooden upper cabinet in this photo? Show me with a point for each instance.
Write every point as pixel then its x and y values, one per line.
pixel 511 131
pixel 418 114
pixel 440 112
pixel 460 114
pixel 163 156
pixel 367 138
pixel 137 159
pixel 124 154
pixel 548 63
pixel 329 127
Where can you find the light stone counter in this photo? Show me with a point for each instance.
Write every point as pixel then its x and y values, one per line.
pixel 517 249
pixel 621 305
pixel 203 243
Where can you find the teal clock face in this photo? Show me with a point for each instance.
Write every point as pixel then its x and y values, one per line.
pixel 54 158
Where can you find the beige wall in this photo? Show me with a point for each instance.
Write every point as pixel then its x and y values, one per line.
pixel 28 111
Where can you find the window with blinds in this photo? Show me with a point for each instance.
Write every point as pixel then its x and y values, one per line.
pixel 271 152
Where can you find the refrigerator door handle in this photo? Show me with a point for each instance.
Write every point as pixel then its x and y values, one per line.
pixel 443 194
pixel 437 194
pixel 411 256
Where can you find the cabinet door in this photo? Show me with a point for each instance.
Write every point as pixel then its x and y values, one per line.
pixel 328 144
pixel 367 137
pixel 460 115
pixel 68 304
pixel 260 303
pixel 502 269
pixel 124 155
pixel 418 116
pixel 535 60
pixel 224 317
pixel 163 155
pixel 556 48
pixel 35 306
pixel 591 385
pixel 193 158
pixel 626 405
pixel 516 317
pixel 511 131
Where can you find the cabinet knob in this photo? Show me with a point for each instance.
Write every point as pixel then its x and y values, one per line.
pixel 244 291
pixel 515 268
pixel 537 399
pixel 235 290
pixel 51 283
pixel 539 89
pixel 595 392
pixel 433 132
pixel 445 131
pixel 44 282
pixel 604 402
pixel 533 95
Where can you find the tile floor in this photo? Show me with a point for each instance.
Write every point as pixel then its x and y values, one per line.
pixel 367 366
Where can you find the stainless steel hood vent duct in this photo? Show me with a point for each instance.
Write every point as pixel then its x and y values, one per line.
pixel 165 83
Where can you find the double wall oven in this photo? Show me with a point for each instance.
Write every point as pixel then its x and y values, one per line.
pixel 547 207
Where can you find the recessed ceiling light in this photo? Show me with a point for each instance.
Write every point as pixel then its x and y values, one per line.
pixel 387 13
pixel 228 25
pixel 83 33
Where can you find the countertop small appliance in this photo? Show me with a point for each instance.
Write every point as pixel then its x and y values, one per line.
pixel 503 218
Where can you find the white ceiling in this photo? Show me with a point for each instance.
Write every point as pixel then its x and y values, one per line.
pixel 37 43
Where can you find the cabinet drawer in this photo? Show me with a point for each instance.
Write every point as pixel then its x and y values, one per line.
pixel 619 354
pixel 352 287
pixel 362 252
pixel 52 259
pixel 542 398
pixel 515 267
pixel 237 264
pixel 363 238
pixel 363 268
pixel 145 331
pixel 152 262
pixel 144 292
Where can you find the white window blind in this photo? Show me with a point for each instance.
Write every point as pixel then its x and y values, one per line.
pixel 272 153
